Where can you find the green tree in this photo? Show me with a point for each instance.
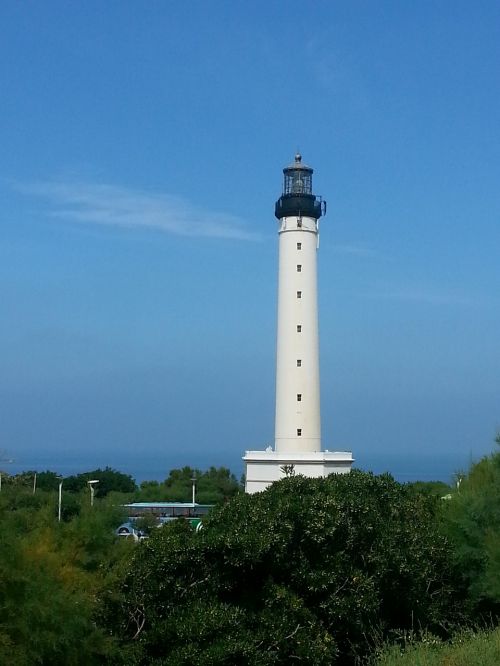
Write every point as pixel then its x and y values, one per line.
pixel 309 570
pixel 110 480
pixel 51 576
pixel 437 489
pixel 213 486
pixel 44 480
pixel 472 522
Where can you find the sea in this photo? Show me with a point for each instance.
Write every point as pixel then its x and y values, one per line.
pixel 156 467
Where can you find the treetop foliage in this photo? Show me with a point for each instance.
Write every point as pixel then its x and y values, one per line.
pixel 472 522
pixel 305 570
pixel 109 480
pixel 212 486
pixel 437 489
pixel 51 575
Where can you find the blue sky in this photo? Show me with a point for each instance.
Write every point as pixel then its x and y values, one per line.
pixel 142 149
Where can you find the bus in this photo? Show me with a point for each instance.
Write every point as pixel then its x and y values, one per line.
pixel 165 512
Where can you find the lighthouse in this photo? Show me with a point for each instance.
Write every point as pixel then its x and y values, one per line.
pixel 297 440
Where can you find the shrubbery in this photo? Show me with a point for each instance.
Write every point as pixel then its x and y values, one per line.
pixel 51 575
pixel 311 569
pixel 472 522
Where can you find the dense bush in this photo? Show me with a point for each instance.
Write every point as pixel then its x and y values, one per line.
pixel 309 570
pixel 472 522
pixel 51 577
pixel 55 578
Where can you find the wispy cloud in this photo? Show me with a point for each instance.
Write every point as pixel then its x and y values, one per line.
pixel 110 205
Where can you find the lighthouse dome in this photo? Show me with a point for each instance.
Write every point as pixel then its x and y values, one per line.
pixel 298 198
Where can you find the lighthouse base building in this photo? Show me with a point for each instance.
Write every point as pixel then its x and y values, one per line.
pixel 265 467
pixel 297 448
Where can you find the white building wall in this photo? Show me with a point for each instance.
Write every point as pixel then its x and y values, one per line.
pixel 264 467
pixel 298 423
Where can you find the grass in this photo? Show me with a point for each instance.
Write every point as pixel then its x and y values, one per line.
pixel 480 648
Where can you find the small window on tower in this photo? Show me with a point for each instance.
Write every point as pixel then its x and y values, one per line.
pixel 299 397
pixel 299 268
pixel 299 246
pixel 299 294
pixel 299 432
pixel 299 328
pixel 299 222
pixel 299 363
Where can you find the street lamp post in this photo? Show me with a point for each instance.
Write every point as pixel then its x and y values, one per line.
pixel 193 481
pixel 92 483
pixel 60 501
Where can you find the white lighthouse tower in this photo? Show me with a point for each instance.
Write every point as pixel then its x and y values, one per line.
pixel 297 446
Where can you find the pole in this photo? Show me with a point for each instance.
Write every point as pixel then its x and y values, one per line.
pixel 34 484
pixel 60 502
pixel 91 483
pixel 194 489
